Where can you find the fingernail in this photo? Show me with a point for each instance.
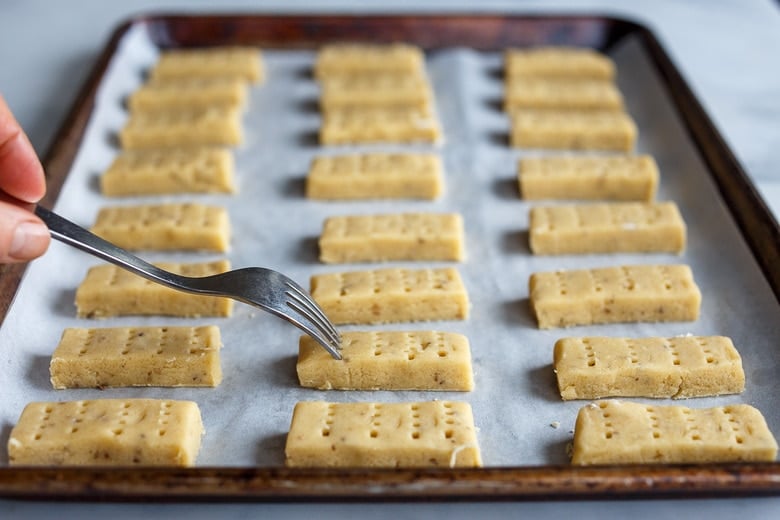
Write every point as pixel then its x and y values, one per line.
pixel 29 241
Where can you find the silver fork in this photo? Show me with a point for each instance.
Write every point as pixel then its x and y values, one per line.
pixel 263 288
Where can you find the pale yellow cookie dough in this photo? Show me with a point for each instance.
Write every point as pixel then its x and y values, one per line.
pixel 107 432
pixel 137 356
pixel 635 293
pixel 385 360
pixel 163 227
pixel 678 367
pixel 400 236
pixel 385 124
pixel 391 295
pixel 615 227
pixel 108 291
pixel 170 171
pixel 397 435
pixel 216 62
pixel 189 93
pixel 376 90
pixel 375 176
pixel 621 432
pixel 555 93
pixel 210 126
pixel 573 129
pixel 339 59
pixel 618 177
pixel 561 61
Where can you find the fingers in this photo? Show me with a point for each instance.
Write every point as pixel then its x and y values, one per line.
pixel 21 174
pixel 22 235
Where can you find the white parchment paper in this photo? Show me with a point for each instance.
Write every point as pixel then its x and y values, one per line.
pixel 518 411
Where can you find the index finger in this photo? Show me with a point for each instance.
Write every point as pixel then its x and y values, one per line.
pixel 21 173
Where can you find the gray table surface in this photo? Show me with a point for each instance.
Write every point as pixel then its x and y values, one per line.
pixel 727 50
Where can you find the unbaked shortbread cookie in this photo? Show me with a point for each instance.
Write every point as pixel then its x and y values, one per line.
pixel 620 432
pixel 375 176
pixel 558 62
pixel 170 171
pixel 400 236
pixel 339 59
pixel 376 90
pixel 216 62
pixel 137 356
pixel 636 293
pixel 385 360
pixel 210 126
pixel 163 227
pixel 397 435
pixel 573 129
pixel 616 227
pixel 384 124
pixel 679 367
pixel 107 432
pixel 540 92
pixel 619 177
pixel 391 295
pixel 188 93
pixel 108 290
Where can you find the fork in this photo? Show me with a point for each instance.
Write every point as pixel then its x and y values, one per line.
pixel 264 288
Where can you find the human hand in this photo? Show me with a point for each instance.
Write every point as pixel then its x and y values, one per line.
pixel 22 235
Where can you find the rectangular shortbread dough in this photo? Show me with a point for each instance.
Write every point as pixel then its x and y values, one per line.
pixel 169 171
pixel 217 62
pixel 137 356
pixel 395 435
pixel 108 290
pixel 376 90
pixel 189 93
pixel 340 59
pixel 573 129
pixel 558 62
pixel 678 367
pixel 382 124
pixel 391 295
pixel 107 432
pixel 621 432
pixel 211 126
pixel 385 360
pixel 635 293
pixel 614 227
pixel 399 236
pixel 554 93
pixel 618 177
pixel 161 227
pixel 375 176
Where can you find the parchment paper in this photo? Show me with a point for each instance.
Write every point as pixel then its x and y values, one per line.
pixel 520 416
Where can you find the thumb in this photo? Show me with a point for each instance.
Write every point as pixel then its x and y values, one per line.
pixel 22 235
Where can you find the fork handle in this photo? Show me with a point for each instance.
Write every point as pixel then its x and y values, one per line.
pixel 78 237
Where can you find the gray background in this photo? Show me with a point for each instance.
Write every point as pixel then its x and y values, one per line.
pixel 727 50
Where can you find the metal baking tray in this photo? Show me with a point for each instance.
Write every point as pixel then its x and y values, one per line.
pixel 748 227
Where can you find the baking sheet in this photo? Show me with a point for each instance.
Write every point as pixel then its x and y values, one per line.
pixel 515 402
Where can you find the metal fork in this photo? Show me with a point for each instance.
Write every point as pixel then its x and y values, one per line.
pixel 263 288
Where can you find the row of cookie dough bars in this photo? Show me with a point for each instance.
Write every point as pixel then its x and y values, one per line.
pixel 565 98
pixel 372 93
pixel 179 119
pixel 191 98
pixel 369 94
pixel 194 97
